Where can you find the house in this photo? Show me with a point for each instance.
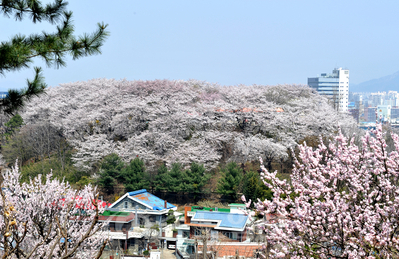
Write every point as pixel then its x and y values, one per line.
pixel 211 225
pixel 137 220
pixel 149 208
pixel 119 229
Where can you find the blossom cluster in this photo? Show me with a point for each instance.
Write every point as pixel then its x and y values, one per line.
pixel 342 201
pixel 47 218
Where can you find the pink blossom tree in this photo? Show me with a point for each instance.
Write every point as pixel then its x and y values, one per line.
pixel 46 218
pixel 342 202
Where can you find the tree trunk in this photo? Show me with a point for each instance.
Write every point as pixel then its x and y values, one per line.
pixel 196 249
pixel 204 248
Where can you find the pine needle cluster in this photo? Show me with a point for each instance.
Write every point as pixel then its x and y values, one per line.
pixel 19 52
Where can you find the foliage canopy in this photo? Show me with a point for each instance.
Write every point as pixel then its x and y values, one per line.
pixel 230 183
pixel 134 175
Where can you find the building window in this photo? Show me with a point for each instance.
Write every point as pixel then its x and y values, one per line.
pixel 125 205
pixel 106 227
pixel 197 232
pixel 231 235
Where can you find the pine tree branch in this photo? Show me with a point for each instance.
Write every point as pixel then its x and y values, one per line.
pixel 51 12
pixel 15 99
pixel 19 52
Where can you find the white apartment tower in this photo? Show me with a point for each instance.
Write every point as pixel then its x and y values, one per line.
pixel 335 86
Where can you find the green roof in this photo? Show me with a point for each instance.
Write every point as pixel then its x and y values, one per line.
pixel 237 205
pixel 115 213
pixel 198 208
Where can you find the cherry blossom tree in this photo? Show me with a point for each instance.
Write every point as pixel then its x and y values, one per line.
pixel 342 201
pixel 182 121
pixel 46 218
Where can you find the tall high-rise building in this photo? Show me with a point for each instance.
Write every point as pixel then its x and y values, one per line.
pixel 334 86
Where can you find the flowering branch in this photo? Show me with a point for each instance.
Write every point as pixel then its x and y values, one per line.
pixel 50 213
pixel 342 201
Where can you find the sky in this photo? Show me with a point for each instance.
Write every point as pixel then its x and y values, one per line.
pixel 229 42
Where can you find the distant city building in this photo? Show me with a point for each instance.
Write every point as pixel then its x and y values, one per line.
pixel 384 112
pixel 355 97
pixel 384 104
pixel 394 97
pixel 3 95
pixel 376 99
pixel 355 114
pixel 390 102
pixel 395 113
pixel 371 114
pixel 334 86
pixel 382 98
pixel 359 98
pixel 393 93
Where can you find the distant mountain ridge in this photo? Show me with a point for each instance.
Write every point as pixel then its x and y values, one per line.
pixel 383 84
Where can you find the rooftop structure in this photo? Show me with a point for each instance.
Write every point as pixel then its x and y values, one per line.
pixel 116 216
pixel 225 221
pixel 200 208
pixel 142 200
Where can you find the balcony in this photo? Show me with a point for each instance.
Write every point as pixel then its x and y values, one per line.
pixel 115 235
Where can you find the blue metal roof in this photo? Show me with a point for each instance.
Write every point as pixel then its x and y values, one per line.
pixel 150 200
pixel 228 220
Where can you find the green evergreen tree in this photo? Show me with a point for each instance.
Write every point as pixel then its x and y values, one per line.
pixel 263 192
pixel 20 50
pixel 134 176
pixel 254 188
pixel 179 180
pixel 250 186
pixel 110 172
pixel 195 178
pixel 171 217
pixel 160 179
pixel 230 183
pixel 169 180
pixel 13 124
pixel 174 178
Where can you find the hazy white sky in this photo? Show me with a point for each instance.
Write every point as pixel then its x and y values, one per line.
pixel 227 41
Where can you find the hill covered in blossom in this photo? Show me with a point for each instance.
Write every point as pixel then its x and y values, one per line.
pixel 182 121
